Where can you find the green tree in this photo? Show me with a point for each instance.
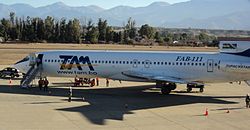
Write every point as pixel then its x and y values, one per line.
pixel 57 32
pixel 158 37
pixel 109 34
pixel 130 29
pixel 76 30
pixel 102 26
pixel 63 30
pixel 49 28
pixel 5 28
pixel 92 33
pixel 203 37
pixel 40 29
pixel 147 31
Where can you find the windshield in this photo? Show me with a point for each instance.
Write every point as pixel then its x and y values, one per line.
pixel 23 60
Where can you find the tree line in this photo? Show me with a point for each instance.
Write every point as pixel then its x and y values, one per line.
pixel 35 29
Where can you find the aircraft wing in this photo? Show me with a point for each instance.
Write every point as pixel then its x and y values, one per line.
pixel 154 77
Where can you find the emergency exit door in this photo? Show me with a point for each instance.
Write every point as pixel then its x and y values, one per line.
pixel 210 65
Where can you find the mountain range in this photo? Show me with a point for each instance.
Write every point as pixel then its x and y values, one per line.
pixel 205 14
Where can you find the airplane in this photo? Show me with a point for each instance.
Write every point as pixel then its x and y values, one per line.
pixel 165 68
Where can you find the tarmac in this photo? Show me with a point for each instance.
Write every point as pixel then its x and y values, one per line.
pixel 123 106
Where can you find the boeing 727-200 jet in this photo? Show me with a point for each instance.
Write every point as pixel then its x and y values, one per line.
pixel 230 64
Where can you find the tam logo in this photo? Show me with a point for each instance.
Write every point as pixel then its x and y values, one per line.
pixel 75 61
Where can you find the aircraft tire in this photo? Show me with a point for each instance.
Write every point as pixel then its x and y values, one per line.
pixel 189 89
pixel 171 86
pixel 165 90
pixel 201 90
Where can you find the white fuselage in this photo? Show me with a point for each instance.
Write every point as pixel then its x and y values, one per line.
pixel 204 67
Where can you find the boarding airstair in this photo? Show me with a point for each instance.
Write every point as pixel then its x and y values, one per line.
pixel 34 71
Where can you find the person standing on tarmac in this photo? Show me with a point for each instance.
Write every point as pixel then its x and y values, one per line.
pixel 247 101
pixel 97 81
pixel 70 94
pixel 46 83
pixel 107 82
pixel 40 83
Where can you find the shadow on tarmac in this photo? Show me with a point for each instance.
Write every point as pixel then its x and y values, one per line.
pixel 114 103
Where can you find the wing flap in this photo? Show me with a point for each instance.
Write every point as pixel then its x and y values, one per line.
pixel 152 77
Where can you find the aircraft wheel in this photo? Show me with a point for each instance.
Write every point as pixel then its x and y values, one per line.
pixel 201 90
pixel 189 89
pixel 165 90
pixel 172 86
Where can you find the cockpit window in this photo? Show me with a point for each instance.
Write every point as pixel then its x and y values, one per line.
pixel 23 60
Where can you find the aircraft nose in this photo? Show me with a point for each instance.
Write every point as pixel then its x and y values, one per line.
pixel 17 66
pixel 21 66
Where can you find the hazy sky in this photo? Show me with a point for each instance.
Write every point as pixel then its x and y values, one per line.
pixel 102 3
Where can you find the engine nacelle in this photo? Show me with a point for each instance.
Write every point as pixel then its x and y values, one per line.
pixel 235 67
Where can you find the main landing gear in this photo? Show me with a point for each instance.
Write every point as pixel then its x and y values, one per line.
pixel 191 86
pixel 166 88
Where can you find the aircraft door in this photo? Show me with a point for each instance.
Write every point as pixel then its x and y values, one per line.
pixel 135 63
pixel 210 65
pixel 32 58
pixel 39 59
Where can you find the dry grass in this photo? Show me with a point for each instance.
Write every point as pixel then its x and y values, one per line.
pixel 10 53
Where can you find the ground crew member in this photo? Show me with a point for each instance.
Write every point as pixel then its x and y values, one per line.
pixel 247 101
pixel 107 82
pixel 70 94
pixel 97 81
pixel 40 83
pixel 92 83
pixel 46 83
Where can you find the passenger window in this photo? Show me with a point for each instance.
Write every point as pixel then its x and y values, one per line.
pixel 192 64
pixel 45 60
pixel 127 62
pixel 188 63
pixel 169 63
pixel 162 63
pixel 204 64
pixel 154 63
pixel 181 63
pixel 177 63
pixel 184 63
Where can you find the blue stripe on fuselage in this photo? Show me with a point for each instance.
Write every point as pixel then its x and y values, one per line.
pixel 244 53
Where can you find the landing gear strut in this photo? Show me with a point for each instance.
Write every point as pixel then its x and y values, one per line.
pixel 191 86
pixel 166 88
